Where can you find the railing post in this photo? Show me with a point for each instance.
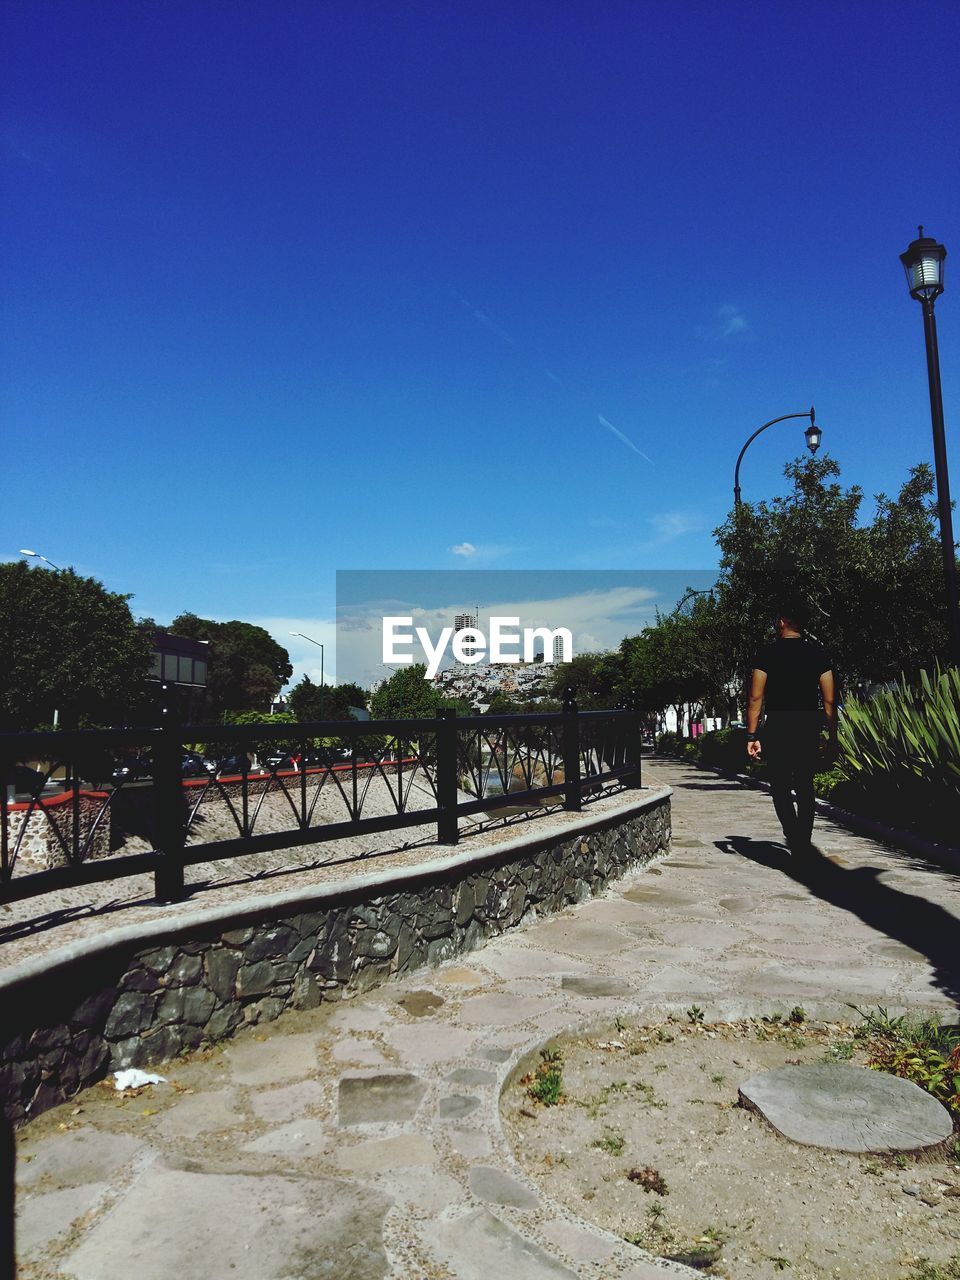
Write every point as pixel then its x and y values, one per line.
pixel 635 742
pixel 169 814
pixel 571 752
pixel 447 829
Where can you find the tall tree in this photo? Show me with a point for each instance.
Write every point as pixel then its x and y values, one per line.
pixel 409 695
pixel 246 668
pixel 68 645
pixel 308 701
pixel 874 591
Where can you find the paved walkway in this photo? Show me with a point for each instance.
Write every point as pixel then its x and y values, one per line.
pixel 363 1141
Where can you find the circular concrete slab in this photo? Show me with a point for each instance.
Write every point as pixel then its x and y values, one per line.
pixel 846 1108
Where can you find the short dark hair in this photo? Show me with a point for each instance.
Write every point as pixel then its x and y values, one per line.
pixel 794 611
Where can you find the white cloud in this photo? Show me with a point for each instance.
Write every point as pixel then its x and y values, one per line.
pixel 304 656
pixel 465 549
pixel 674 524
pixel 732 321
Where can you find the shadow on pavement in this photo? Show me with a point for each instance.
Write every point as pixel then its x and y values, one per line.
pixel 922 925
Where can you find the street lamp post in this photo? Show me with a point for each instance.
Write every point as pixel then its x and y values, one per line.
pixel 37 556
pixel 320 647
pixel 923 263
pixel 812 434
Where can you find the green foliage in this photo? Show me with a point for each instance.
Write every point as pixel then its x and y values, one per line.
pixel 596 680
pixel 68 644
pixel 924 1269
pixel 921 1050
pixel 725 749
pixel 546 1084
pixel 308 701
pixel 695 1014
pixel 901 750
pixel 409 695
pixel 825 784
pixel 612 1142
pixel 669 744
pixel 241 745
pixel 246 667
pixel 875 590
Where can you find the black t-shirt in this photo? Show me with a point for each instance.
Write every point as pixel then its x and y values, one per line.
pixel 794 668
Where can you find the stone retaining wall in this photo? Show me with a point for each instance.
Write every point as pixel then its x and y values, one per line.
pixel 38 847
pixel 141 996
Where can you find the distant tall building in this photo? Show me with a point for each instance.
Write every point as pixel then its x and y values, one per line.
pixel 461 622
pixel 558 648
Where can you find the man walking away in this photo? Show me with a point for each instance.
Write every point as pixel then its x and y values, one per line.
pixel 790 677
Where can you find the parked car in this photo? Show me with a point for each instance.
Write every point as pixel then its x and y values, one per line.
pixel 132 769
pixel 231 765
pixel 277 760
pixel 194 766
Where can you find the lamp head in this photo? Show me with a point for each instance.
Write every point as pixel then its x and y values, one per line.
pixel 813 435
pixel 923 263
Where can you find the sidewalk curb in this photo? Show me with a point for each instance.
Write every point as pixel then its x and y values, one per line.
pixel 945 855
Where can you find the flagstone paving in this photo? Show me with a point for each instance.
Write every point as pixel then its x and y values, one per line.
pixel 363 1140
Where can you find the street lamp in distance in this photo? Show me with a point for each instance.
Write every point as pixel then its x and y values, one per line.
pixel 923 263
pixel 812 435
pixel 37 556
pixel 320 647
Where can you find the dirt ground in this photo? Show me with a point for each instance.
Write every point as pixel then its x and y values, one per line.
pixel 650 1142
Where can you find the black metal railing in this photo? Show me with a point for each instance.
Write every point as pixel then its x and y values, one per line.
pixel 94 805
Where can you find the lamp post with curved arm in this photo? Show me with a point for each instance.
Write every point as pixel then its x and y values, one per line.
pixel 812 434
pixel 320 647
pixel 37 556
pixel 923 263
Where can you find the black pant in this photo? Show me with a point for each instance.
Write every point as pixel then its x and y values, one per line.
pixel 790 745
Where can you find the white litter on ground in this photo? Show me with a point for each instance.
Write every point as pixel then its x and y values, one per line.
pixel 134 1078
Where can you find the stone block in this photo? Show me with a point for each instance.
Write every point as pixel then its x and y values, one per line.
pixel 185 970
pixel 248 1227
pixel 440 949
pixel 221 968
pixel 158 961
pixel 306 993
pixel 278 940
pixel 236 937
pixel 94 1010
pixel 496 1187
pixel 266 1010
pixel 260 978
pixel 223 1021
pixel 198 1005
pixel 132 1013
pixel 377 945
pixel 388 1096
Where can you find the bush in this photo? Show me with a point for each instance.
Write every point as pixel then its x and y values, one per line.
pixel 725 749
pixel 901 753
pixel 669 744
pixel 827 784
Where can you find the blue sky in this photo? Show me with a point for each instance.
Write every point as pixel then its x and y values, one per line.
pixel 348 285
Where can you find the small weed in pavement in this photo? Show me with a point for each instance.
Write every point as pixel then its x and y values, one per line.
pixel 695 1014
pixel 924 1269
pixel 545 1085
pixel 612 1142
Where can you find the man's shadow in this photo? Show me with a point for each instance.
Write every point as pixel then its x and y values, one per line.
pixel 923 926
